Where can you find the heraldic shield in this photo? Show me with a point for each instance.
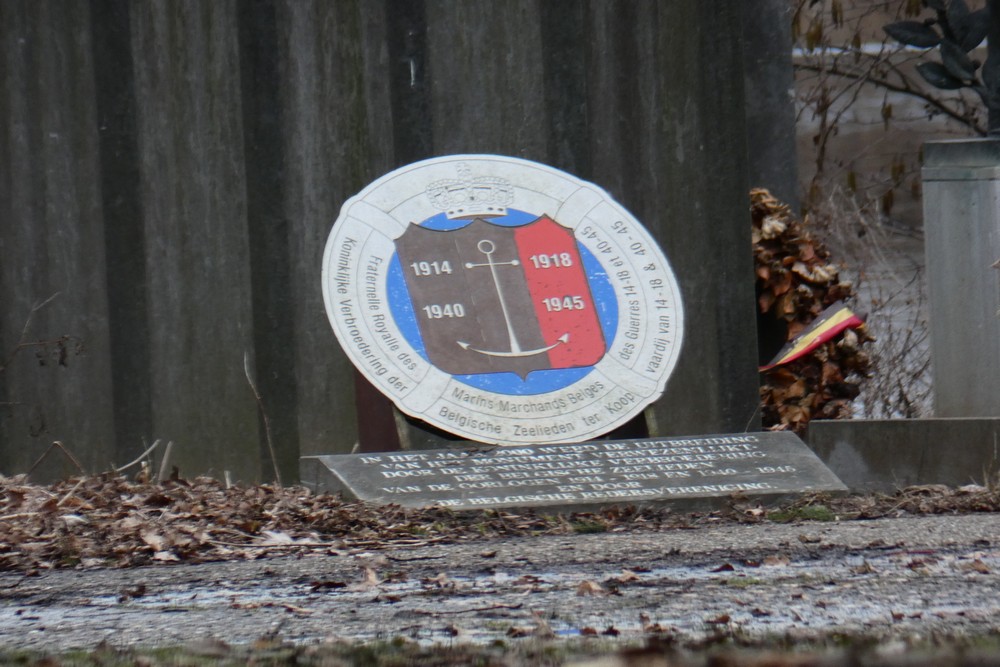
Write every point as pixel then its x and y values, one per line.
pixel 497 299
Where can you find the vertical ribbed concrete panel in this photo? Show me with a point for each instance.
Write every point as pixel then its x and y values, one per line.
pixel 51 244
pixel 962 238
pixel 337 134
pixel 193 199
pixel 769 79
pixel 174 168
pixel 669 141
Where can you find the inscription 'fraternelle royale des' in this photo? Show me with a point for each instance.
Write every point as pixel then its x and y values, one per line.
pixel 502 300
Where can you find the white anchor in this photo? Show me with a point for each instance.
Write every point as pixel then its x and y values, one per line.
pixel 487 247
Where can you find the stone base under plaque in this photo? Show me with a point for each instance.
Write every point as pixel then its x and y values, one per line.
pixel 689 471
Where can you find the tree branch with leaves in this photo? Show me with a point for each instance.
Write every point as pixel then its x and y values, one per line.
pixel 956 31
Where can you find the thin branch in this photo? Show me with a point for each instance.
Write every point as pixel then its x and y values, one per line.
pixel 473 610
pixel 140 458
pixel 289 545
pixel 24 331
pixel 56 445
pixel 263 414
pixel 71 491
pixel 905 89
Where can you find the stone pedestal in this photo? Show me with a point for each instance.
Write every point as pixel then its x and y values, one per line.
pixel 962 237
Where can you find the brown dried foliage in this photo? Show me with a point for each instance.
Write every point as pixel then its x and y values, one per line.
pixel 111 521
pixel 796 281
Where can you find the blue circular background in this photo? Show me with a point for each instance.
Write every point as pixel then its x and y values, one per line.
pixel 537 382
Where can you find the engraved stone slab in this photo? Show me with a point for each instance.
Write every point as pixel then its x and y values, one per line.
pixel 689 470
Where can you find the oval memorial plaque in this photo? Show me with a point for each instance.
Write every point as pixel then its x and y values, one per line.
pixel 502 300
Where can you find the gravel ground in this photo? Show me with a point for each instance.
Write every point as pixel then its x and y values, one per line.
pixel 899 579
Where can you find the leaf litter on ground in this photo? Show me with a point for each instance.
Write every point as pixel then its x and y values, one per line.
pixel 111 521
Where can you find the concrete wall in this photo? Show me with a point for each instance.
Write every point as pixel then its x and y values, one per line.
pixel 962 241
pixel 886 455
pixel 172 169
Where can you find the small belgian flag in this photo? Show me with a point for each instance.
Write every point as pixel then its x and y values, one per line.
pixel 835 319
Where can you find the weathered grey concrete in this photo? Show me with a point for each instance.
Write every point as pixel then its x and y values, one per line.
pixel 962 240
pixel 884 455
pixel 173 169
pixel 933 576
pixel 769 81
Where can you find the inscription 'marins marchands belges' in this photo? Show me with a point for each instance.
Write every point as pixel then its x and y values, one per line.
pixel 492 298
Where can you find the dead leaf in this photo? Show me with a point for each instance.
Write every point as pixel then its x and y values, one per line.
pixel 440 581
pixel 325 585
pixel 776 560
pixel 369 579
pixel 975 566
pixel 73 519
pixel 276 537
pixel 136 591
pixel 528 580
pixel 301 611
pixel 155 540
pixel 627 576
pixel 542 628
pixel 864 568
pixel 588 587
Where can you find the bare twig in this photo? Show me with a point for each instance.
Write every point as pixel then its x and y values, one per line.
pixel 890 289
pixel 71 491
pixel 905 88
pixel 22 341
pixel 60 446
pixel 139 459
pixel 467 611
pixel 294 545
pixel 263 414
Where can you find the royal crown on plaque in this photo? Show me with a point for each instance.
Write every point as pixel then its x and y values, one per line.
pixel 471 196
